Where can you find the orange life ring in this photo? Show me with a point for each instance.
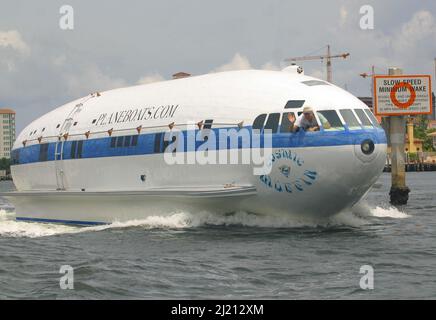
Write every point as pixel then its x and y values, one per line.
pixel 408 103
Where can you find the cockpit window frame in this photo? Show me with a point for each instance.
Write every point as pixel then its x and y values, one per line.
pixel 366 126
pixel 263 116
pixel 332 128
pixel 372 118
pixel 273 119
pixel 352 128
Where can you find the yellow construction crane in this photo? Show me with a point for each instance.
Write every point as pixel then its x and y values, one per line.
pixel 327 58
pixel 370 75
pixel 365 75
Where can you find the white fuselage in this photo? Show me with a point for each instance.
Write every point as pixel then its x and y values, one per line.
pixel 76 165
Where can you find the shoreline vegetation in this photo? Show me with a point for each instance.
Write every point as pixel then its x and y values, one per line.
pixel 5 169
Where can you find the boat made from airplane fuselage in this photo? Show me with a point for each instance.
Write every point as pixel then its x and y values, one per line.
pixel 101 158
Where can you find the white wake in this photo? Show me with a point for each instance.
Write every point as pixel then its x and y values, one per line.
pixel 359 216
pixel 363 209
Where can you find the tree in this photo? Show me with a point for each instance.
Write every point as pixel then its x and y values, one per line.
pixel 428 143
pixel 420 131
pixel 5 164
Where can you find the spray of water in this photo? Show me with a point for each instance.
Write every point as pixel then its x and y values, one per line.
pixel 363 209
pixel 11 228
pixel 359 216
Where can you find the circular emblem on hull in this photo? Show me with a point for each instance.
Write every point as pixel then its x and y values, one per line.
pixel 288 172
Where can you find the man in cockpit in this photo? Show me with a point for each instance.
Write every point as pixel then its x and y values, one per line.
pixel 305 121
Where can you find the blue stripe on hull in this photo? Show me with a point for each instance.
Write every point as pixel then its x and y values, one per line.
pixel 72 222
pixel 146 144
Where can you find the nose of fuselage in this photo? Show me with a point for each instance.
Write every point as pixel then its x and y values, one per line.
pixel 366 148
pixel 370 157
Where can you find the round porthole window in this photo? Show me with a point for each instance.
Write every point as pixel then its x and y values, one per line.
pixel 367 146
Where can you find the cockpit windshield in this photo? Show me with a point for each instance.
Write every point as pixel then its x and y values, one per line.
pixel 373 118
pixel 363 118
pixel 350 119
pixel 330 120
pixel 310 120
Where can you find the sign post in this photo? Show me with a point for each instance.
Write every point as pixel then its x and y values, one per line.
pixel 397 96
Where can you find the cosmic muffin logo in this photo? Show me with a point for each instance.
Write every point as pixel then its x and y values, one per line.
pixel 288 173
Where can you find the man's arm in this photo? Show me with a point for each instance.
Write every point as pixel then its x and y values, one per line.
pixel 295 122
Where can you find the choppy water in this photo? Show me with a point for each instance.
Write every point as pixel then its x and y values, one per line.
pixel 236 256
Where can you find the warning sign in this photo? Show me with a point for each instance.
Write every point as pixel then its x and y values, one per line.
pixel 402 95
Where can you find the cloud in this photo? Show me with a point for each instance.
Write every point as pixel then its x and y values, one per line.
pixel 12 50
pixel 421 27
pixel 238 62
pixel 270 66
pixel 12 39
pixel 406 45
pixel 410 44
pixel 150 78
pixel 90 79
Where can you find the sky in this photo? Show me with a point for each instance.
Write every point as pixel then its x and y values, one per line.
pixel 121 43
